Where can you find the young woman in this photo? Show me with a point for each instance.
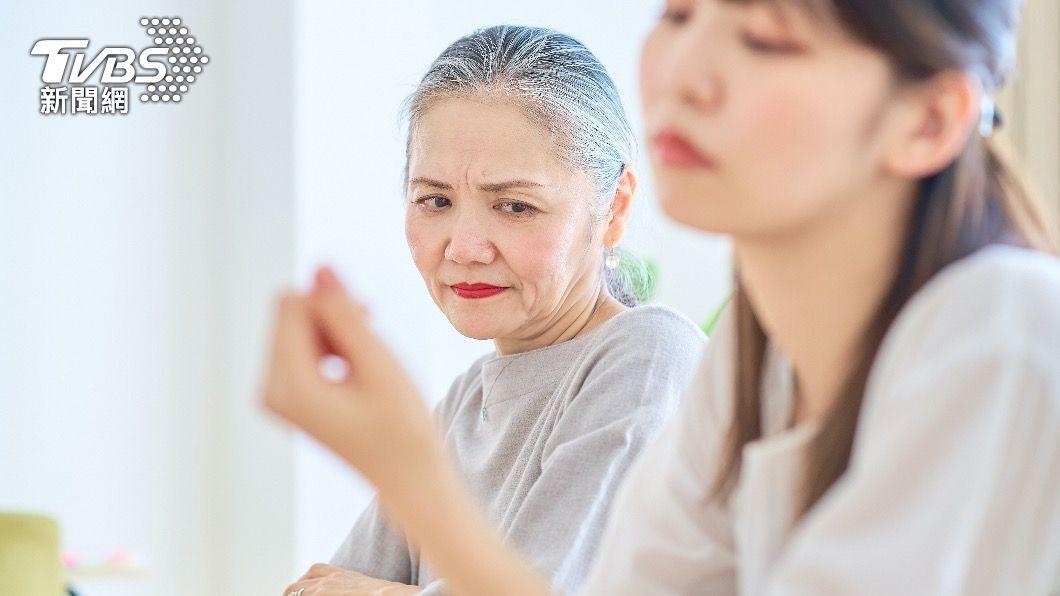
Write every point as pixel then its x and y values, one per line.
pixel 879 412
pixel 511 225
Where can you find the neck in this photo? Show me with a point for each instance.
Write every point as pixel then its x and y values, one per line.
pixel 580 316
pixel 816 290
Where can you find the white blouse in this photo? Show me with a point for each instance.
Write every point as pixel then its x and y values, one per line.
pixel 954 479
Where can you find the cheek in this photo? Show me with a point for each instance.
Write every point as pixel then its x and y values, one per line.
pixel 785 131
pixel 544 260
pixel 423 244
pixel 795 150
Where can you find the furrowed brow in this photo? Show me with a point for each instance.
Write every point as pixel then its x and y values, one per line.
pixel 430 182
pixel 507 185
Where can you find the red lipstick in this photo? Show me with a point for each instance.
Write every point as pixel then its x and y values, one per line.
pixel 674 150
pixel 476 290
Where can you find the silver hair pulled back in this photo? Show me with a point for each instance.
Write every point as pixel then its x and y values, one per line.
pixel 563 88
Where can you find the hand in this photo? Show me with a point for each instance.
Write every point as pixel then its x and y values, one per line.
pixel 375 420
pixel 374 417
pixel 328 580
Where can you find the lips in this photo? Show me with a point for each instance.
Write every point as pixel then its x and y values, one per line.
pixel 476 290
pixel 672 149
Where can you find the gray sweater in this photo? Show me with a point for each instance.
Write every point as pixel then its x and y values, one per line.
pixel 543 438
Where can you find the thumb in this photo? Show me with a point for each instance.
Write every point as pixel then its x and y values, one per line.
pixel 343 324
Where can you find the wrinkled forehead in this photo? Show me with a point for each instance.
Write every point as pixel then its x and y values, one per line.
pixel 477 138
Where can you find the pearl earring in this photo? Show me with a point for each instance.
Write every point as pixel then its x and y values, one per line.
pixel 612 259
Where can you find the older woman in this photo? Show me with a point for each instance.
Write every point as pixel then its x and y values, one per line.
pixel 518 190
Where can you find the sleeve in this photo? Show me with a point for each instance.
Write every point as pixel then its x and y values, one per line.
pixel 627 393
pixel 375 546
pixel 665 536
pixel 953 486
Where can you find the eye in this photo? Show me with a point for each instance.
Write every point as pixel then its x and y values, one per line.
pixel 675 13
pixel 518 208
pixel 433 202
pixel 674 17
pixel 769 30
pixel 763 46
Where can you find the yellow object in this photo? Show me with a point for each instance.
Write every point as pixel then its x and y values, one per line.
pixel 29 555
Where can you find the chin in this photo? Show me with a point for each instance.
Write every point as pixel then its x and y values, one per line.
pixel 688 209
pixel 468 325
pixel 731 218
pixel 483 335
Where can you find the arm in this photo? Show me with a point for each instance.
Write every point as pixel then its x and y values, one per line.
pixel 952 488
pixel 376 421
pixel 629 390
pixel 663 535
pixel 626 388
pixel 457 536
pixel 373 547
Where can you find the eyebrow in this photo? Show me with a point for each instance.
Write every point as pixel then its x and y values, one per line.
pixel 488 187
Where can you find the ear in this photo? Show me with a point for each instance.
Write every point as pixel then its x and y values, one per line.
pixel 621 206
pixel 938 118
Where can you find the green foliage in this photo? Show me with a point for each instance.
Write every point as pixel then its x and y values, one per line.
pixel 708 327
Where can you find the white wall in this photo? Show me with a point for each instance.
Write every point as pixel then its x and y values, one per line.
pixel 109 374
pixel 139 258
pixel 354 64
pixel 1031 100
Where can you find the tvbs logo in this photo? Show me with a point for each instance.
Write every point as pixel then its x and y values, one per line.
pixel 165 70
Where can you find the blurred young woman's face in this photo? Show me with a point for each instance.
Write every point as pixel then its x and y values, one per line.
pixel 490 202
pixel 761 117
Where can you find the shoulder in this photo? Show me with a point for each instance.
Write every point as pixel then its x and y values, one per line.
pixel 992 316
pixel 642 358
pixel 647 329
pixel 650 348
pixel 1001 295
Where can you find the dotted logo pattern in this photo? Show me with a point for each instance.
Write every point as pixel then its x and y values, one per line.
pixel 185 60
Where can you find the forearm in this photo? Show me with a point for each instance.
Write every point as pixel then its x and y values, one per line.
pixel 438 514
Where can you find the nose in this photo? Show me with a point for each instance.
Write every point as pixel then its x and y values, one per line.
pixel 469 242
pixel 690 70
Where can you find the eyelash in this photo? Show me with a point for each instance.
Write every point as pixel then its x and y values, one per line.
pixel 678 17
pixel 529 209
pixel 764 47
pixel 675 17
pixel 422 201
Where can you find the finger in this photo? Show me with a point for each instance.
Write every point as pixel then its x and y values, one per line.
pixel 308 585
pixel 297 342
pixel 294 353
pixel 343 325
pixel 321 570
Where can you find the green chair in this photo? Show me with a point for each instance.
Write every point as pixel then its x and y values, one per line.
pixel 29 555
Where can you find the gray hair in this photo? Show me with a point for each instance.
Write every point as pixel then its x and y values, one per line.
pixel 562 87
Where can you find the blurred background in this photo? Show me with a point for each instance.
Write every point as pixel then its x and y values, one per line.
pixel 139 257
